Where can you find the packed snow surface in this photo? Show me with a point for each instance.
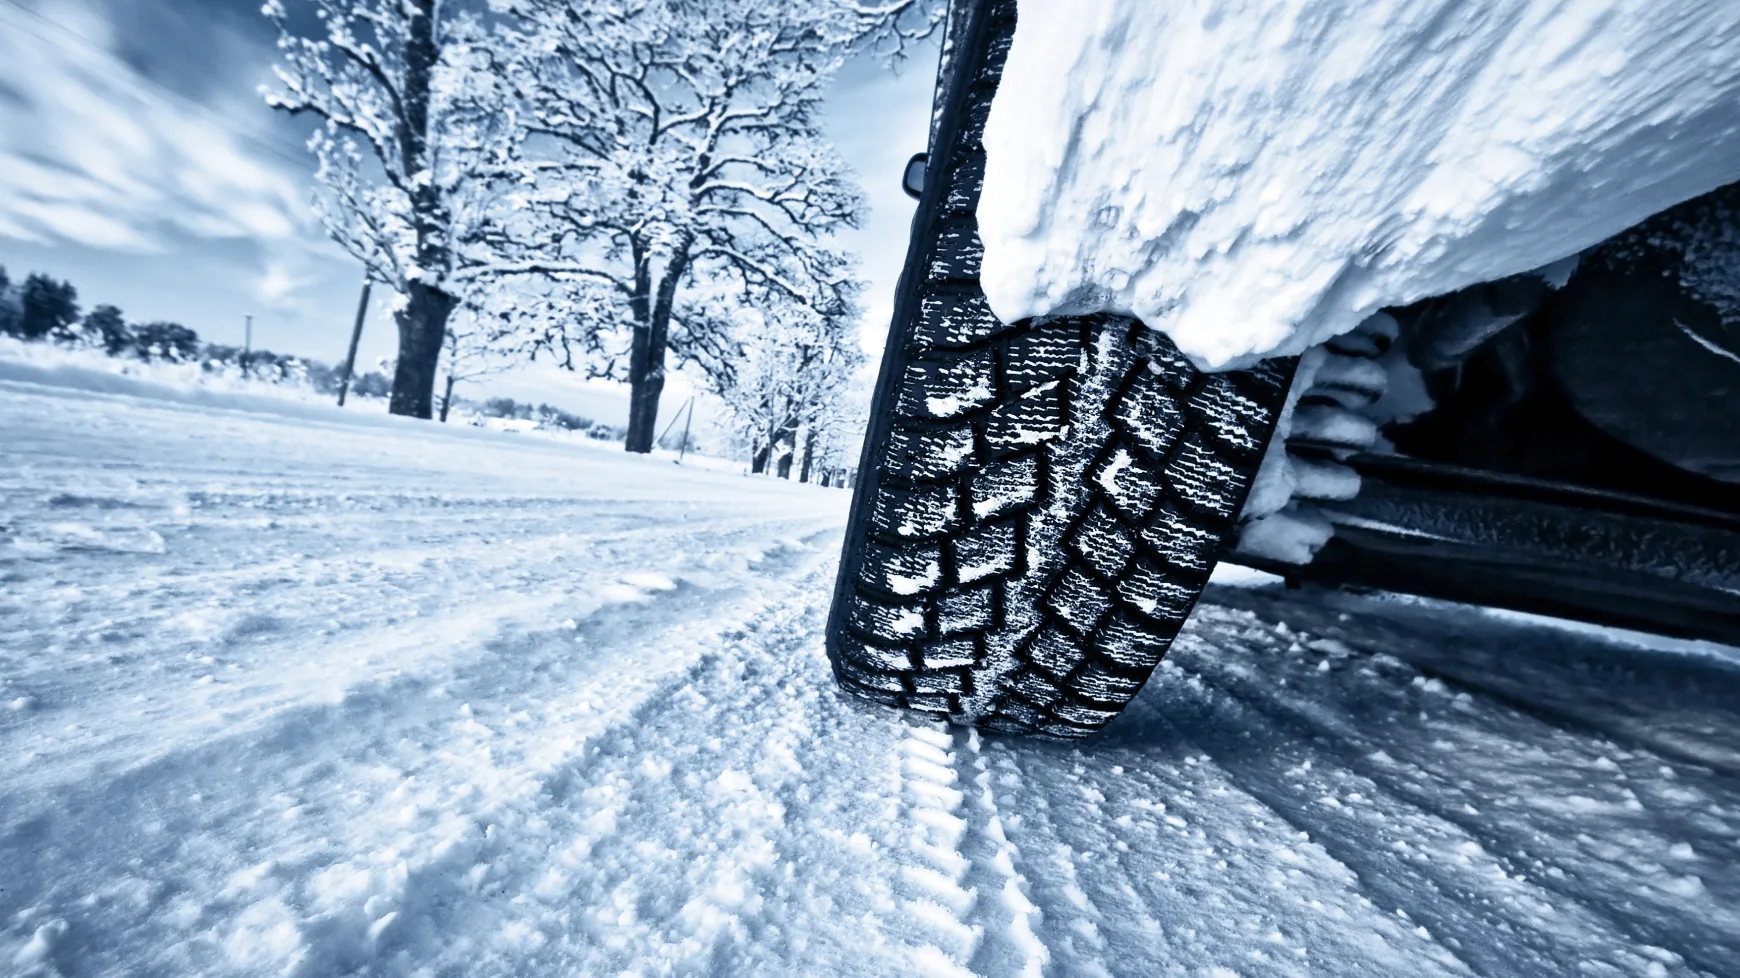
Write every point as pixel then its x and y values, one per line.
pixel 312 693
pixel 1255 176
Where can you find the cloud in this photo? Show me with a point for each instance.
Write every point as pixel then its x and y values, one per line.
pixel 93 154
pixel 279 283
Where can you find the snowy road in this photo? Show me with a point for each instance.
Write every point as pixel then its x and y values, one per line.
pixel 282 696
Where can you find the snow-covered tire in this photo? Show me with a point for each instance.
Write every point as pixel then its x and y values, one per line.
pixel 1039 503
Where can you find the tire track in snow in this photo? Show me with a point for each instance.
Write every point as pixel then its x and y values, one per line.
pixel 1506 821
pixel 1395 842
pixel 967 906
pixel 1231 876
pixel 1002 901
pixel 413 643
pixel 938 906
pixel 1069 924
pixel 411 741
pixel 730 829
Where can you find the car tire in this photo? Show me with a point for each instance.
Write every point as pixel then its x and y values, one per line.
pixel 1039 504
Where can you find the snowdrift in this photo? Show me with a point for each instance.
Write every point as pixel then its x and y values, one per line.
pixel 1256 176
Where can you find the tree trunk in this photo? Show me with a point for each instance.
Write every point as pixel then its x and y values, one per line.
pixel 758 458
pixel 646 355
pixel 447 395
pixel 423 321
pixel 809 453
pixel 422 329
pixel 788 436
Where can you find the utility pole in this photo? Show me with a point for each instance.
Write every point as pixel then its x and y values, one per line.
pixel 248 335
pixel 683 448
pixel 689 404
pixel 362 309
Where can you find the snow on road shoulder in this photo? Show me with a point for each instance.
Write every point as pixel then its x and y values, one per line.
pixel 1255 177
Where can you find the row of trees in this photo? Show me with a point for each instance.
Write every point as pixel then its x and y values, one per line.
pixel 625 187
pixel 43 309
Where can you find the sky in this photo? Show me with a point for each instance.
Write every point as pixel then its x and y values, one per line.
pixel 138 161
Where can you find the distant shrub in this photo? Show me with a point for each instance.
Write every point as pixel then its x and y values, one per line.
pixel 47 308
pixel 166 341
pixel 106 329
pixel 374 383
pixel 505 407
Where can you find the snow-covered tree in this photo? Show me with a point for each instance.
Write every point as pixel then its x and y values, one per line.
pixel 409 110
pixel 783 371
pixel 481 341
pixel 668 143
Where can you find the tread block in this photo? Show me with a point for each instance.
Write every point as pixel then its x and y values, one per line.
pixel 888 623
pixel 968 611
pixel 905 571
pixel 1048 350
pixel 1177 541
pixel 1129 483
pixel 1149 414
pixel 874 658
pixel 886 682
pixel 965 179
pixel 1161 357
pixel 1206 480
pixel 948 387
pixel 956 653
pixel 1099 684
pixel 1132 644
pixel 997 50
pixel 973 126
pixel 1034 686
pixel 1153 590
pixel 989 551
pixel 1000 724
pixel 927 455
pixel 952 681
pixel 871 694
pixel 1091 716
pixel 1103 542
pixel 1058 730
pixel 1056 652
pixel 917 514
pixel 956 253
pixel 1004 486
pixel 951 320
pixel 1034 418
pixel 1078 600
pixel 1026 715
pixel 941 703
pixel 1228 415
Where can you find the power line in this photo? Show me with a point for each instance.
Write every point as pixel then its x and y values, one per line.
pixel 61 33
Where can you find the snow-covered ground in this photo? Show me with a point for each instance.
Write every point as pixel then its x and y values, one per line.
pixel 322 694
